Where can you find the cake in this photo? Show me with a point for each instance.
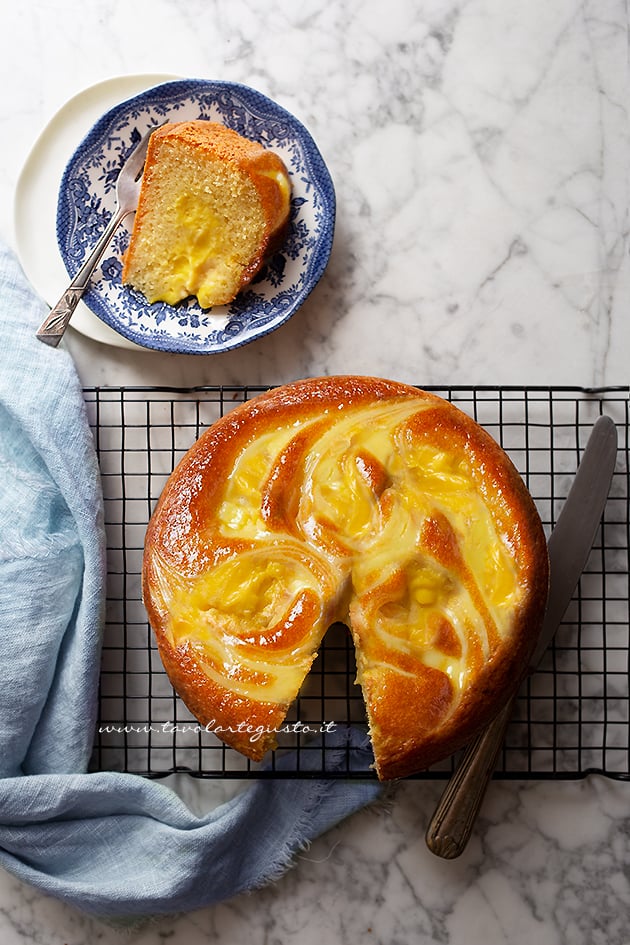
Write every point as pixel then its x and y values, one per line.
pixel 213 205
pixel 355 500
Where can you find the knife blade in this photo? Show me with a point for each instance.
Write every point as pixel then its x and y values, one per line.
pixel 569 547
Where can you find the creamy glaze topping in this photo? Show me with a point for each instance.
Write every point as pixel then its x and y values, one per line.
pixel 369 515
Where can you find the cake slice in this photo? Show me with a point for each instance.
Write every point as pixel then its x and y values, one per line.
pixel 213 205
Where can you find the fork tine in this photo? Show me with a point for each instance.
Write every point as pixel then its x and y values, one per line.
pixel 135 162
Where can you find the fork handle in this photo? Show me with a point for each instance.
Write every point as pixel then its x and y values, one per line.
pixel 53 328
pixel 453 821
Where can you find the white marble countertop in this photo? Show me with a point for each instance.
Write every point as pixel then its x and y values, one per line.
pixel 480 156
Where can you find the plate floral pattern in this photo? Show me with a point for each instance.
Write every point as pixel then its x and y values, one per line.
pixel 87 199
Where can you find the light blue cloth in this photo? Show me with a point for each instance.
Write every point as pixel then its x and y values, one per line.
pixel 112 844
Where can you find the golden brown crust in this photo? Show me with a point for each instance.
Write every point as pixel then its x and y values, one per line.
pixel 417 713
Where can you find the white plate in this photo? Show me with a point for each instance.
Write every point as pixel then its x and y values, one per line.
pixel 87 201
pixel 37 191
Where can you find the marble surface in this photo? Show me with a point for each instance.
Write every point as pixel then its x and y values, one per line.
pixel 480 155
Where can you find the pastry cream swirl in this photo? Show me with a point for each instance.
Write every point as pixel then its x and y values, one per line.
pixel 348 516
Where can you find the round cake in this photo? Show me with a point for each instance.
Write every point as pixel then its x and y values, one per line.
pixel 356 500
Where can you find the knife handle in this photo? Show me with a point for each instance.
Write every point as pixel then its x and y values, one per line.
pixel 452 824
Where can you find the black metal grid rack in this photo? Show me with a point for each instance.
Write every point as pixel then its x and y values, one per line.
pixel 572 717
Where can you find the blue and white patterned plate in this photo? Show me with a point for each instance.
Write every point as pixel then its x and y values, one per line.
pixel 87 200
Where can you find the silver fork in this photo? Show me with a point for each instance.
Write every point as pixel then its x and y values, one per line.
pixel 52 329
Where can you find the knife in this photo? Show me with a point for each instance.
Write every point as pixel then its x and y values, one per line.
pixel 569 547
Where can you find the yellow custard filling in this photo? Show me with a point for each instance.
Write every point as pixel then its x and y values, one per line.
pixel 199 250
pixel 388 529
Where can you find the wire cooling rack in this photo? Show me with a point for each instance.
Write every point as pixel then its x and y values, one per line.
pixel 572 716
